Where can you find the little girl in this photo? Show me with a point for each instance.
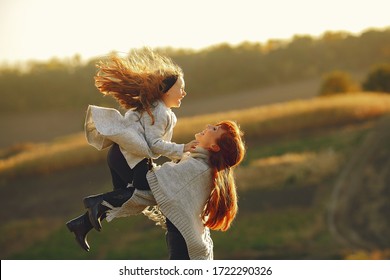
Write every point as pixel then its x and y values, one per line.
pixel 192 196
pixel 147 85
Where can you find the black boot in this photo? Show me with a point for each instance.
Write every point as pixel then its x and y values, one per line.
pixel 80 226
pixel 96 210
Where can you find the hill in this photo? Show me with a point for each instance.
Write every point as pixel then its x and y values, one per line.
pixel 296 154
pixel 360 203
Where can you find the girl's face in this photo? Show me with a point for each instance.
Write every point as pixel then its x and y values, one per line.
pixel 207 139
pixel 172 98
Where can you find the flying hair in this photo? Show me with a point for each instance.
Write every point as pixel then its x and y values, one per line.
pixel 138 80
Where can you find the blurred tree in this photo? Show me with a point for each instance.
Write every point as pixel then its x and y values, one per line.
pixel 273 44
pixel 378 79
pixel 215 71
pixel 337 82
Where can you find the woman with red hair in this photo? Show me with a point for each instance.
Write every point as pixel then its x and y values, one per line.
pixel 192 196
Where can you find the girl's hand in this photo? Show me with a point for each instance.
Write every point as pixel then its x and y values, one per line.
pixel 189 147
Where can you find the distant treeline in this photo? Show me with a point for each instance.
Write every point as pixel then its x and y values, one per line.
pixel 217 70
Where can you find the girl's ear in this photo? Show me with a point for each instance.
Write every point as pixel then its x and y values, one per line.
pixel 215 148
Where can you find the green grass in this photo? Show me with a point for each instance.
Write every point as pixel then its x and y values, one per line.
pixel 291 233
pixel 125 238
pixel 275 234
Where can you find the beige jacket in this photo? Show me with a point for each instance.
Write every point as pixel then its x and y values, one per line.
pixel 133 132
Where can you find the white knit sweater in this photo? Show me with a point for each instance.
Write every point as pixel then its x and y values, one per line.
pixel 180 190
pixel 133 132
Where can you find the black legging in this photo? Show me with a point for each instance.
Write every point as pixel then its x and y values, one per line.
pixel 176 244
pixel 122 175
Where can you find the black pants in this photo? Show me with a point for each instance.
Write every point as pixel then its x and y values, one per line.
pixel 122 174
pixel 176 244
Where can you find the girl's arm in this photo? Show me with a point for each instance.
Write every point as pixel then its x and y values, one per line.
pixel 159 135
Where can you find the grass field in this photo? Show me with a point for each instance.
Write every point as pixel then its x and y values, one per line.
pixel 260 124
pixel 296 150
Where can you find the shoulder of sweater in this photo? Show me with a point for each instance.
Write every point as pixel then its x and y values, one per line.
pixel 188 164
pixel 198 162
pixel 162 109
pixel 159 110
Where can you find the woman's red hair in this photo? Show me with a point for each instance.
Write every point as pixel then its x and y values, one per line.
pixel 221 207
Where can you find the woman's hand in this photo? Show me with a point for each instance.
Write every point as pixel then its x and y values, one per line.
pixel 190 146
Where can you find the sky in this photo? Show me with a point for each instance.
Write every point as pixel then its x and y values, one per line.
pixel 43 29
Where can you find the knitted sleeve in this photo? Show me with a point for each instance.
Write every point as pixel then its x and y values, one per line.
pixel 159 135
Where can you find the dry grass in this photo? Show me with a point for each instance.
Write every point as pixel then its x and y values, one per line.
pixel 368 255
pixel 257 123
pixel 295 116
pixel 309 168
pixel 47 157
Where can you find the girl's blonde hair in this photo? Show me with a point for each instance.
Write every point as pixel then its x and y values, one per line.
pixel 221 206
pixel 137 81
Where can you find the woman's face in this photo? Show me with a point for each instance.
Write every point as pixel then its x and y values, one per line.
pixel 208 138
pixel 172 98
